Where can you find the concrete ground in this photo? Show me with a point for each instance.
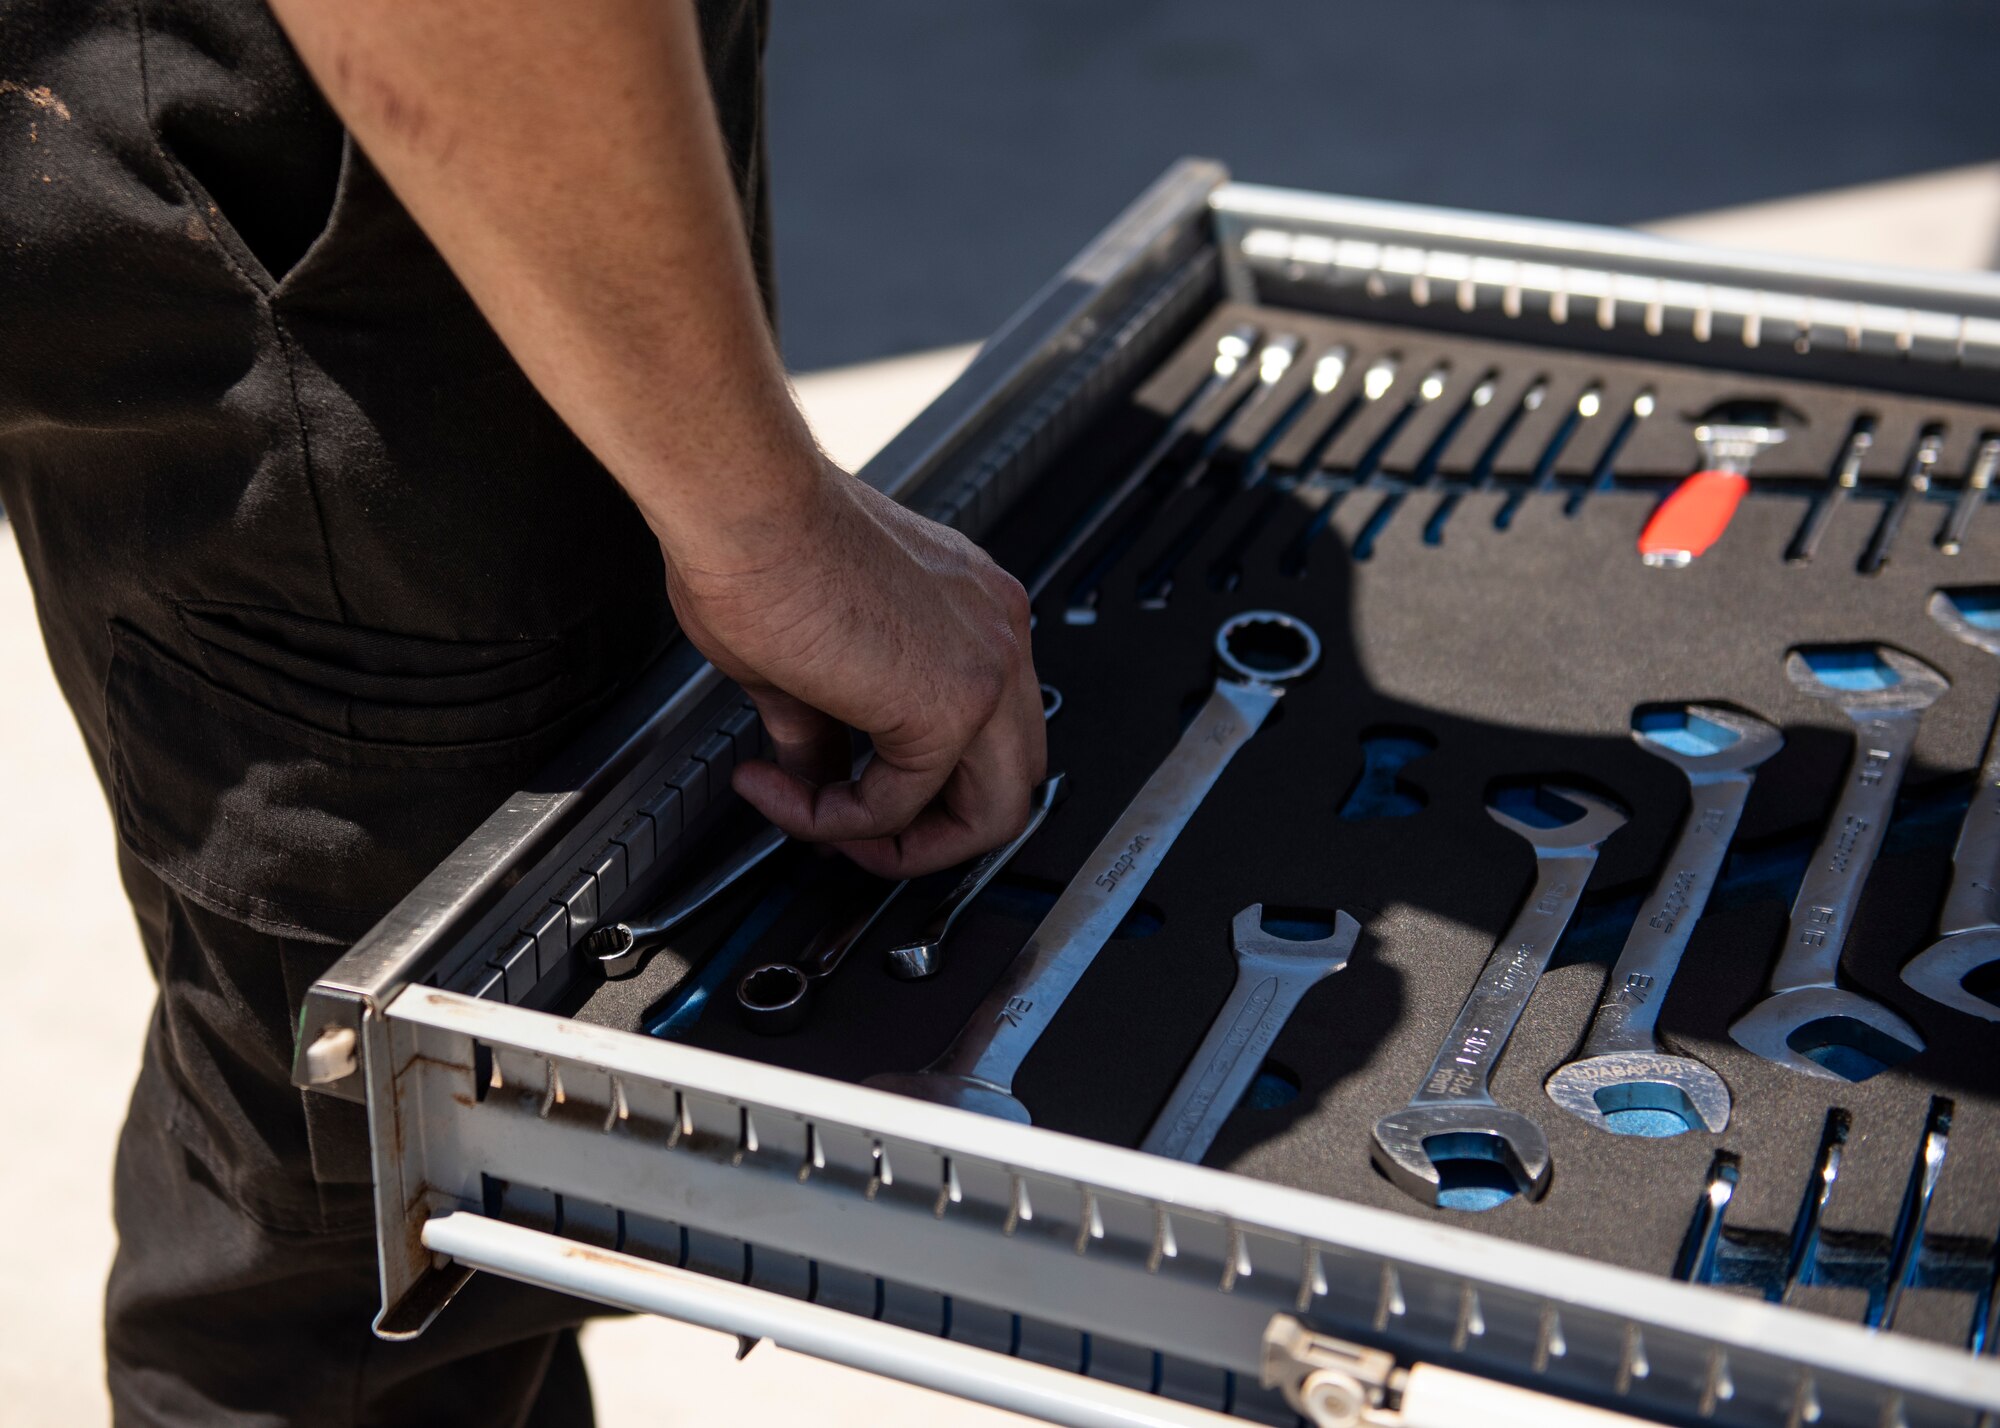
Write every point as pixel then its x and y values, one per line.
pixel 66 1061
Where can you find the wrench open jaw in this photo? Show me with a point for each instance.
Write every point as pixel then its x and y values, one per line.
pixel 1807 1021
pixel 1260 652
pixel 1621 1068
pixel 1453 1119
pixel 1969 926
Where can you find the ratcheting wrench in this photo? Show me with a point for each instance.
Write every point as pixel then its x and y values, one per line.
pixel 1260 653
pixel 918 958
pixel 1453 1116
pixel 1884 692
pixel 1969 926
pixel 1621 1066
pixel 1272 974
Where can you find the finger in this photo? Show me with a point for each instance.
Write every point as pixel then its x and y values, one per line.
pixel 983 805
pixel 804 742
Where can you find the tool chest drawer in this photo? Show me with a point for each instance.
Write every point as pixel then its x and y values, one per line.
pixel 1514 931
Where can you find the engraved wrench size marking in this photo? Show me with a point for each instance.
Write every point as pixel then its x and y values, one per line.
pixel 1884 692
pixel 1621 1066
pixel 1453 1116
pixel 1260 653
pixel 1272 974
pixel 1969 927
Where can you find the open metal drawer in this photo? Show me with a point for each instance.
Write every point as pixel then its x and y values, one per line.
pixel 1062 1277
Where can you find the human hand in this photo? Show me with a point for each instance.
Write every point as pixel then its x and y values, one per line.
pixel 859 613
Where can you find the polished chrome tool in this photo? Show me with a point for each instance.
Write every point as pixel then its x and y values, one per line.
pixel 1260 653
pixel 1453 1116
pixel 1915 488
pixel 1225 572
pixel 1322 491
pixel 1230 350
pixel 1693 517
pixel 622 947
pixel 1808 1021
pixel 1543 478
pixel 1273 361
pixel 1424 474
pixel 1481 477
pixel 919 958
pixel 1969 927
pixel 1272 974
pixel 1621 1067
pixel 1604 475
pixel 1846 476
pixel 1971 496
pixel 775 997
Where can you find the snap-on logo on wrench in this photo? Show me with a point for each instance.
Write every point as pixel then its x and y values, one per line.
pixel 1123 864
pixel 1675 902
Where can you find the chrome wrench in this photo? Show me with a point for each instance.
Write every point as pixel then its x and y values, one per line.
pixel 1621 1066
pixel 1969 926
pixel 1453 1116
pixel 1260 653
pixel 1884 692
pixel 919 958
pixel 1272 974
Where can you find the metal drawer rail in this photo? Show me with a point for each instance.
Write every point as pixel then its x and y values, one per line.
pixel 1191 1261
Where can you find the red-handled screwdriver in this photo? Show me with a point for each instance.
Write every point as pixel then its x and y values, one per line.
pixel 1694 517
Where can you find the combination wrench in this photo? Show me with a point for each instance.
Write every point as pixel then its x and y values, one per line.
pixel 1453 1116
pixel 775 997
pixel 1272 974
pixel 1969 927
pixel 1884 693
pixel 1260 653
pixel 1971 496
pixel 1621 1066
pixel 918 958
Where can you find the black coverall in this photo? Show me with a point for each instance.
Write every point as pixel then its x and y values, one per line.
pixel 323 580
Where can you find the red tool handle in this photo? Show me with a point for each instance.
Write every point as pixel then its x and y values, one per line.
pixel 1693 518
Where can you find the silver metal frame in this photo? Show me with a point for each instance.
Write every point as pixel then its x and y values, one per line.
pixel 1106 1263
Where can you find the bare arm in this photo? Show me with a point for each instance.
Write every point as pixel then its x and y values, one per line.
pixel 565 160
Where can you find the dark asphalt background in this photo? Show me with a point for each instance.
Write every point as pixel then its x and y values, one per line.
pixel 936 160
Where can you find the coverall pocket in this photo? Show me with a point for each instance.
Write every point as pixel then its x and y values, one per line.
pixel 285 791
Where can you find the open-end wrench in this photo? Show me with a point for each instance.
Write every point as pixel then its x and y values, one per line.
pixel 1260 653
pixel 1971 495
pixel 1969 926
pixel 1846 476
pixel 1272 974
pixel 1453 1116
pixel 1621 1066
pixel 1915 487
pixel 919 957
pixel 1696 513
pixel 1884 692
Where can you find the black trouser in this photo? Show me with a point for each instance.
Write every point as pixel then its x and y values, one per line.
pixel 324 581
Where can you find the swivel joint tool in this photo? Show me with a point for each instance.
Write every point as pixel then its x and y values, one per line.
pixel 1453 1116
pixel 1808 1021
pixel 1621 1067
pixel 1969 927
pixel 1259 653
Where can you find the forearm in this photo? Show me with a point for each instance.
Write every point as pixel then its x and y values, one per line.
pixel 566 161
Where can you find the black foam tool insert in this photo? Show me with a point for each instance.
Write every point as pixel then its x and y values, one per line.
pixel 1509 652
